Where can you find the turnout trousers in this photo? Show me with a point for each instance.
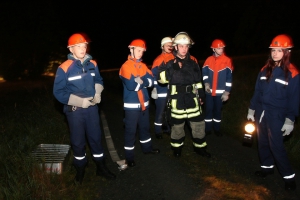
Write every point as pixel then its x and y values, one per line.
pixel 213 107
pixel 137 119
pixel 159 123
pixel 270 143
pixel 84 123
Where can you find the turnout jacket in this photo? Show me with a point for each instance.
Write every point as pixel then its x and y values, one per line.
pixel 160 62
pixel 135 95
pixel 278 94
pixel 74 77
pixel 217 72
pixel 184 83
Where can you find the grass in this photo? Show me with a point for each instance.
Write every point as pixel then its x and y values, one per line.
pixel 31 116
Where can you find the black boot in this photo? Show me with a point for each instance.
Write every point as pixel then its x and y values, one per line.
pixel 202 152
pixel 80 173
pixel 177 151
pixel 103 171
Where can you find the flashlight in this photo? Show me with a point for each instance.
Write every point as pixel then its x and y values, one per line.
pixel 249 130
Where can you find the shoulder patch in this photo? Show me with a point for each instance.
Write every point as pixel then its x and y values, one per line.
pixel 158 61
pixel 293 70
pixel 194 59
pixel 65 65
pixel 94 62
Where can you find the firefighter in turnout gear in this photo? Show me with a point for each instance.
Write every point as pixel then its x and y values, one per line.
pixel 78 85
pixel 184 77
pixel 136 78
pixel 217 78
pixel 160 91
pixel 273 107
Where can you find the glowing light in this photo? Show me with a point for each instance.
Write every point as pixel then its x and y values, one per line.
pixel 250 128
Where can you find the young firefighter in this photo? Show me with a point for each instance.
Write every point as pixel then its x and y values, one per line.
pixel 136 77
pixel 217 78
pixel 184 77
pixel 160 91
pixel 275 103
pixel 78 85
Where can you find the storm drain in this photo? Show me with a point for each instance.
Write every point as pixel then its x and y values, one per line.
pixel 51 157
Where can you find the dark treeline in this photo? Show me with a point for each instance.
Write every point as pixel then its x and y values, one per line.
pixel 36 32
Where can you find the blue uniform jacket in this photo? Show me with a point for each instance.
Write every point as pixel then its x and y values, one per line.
pixel 277 95
pixel 74 77
pixel 134 93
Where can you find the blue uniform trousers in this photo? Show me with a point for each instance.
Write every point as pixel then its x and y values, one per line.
pixel 137 119
pixel 270 143
pixel 160 104
pixel 213 108
pixel 84 123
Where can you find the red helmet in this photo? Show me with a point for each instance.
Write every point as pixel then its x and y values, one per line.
pixel 76 39
pixel 138 43
pixel 217 43
pixel 282 41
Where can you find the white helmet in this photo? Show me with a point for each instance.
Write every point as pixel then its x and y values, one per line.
pixel 182 38
pixel 166 40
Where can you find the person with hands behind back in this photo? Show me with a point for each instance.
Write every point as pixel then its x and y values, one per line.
pixel 78 85
pixel 273 107
pixel 136 77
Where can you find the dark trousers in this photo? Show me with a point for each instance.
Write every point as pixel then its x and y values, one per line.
pixel 213 108
pixel 137 120
pixel 84 123
pixel 160 104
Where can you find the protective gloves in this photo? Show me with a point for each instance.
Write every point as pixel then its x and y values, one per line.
pixel 138 80
pixel 207 87
pixel 287 127
pixel 99 88
pixel 250 115
pixel 80 102
pixel 154 93
pixel 225 96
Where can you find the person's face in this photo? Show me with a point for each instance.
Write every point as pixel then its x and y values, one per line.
pixel 276 54
pixel 182 49
pixel 168 48
pixel 137 52
pixel 79 50
pixel 218 51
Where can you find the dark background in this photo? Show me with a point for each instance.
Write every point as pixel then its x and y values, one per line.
pixel 36 32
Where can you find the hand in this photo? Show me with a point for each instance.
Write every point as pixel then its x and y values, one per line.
pixel 98 90
pixel 154 93
pixel 207 87
pixel 87 102
pixel 225 96
pixel 250 115
pixel 201 102
pixel 97 98
pixel 287 127
pixel 138 80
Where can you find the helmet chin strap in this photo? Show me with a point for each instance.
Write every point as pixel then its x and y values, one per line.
pixel 132 53
pixel 216 54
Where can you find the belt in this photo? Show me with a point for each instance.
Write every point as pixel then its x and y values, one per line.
pixel 184 89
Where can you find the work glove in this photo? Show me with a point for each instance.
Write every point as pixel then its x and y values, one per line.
pixel 99 88
pixel 80 102
pixel 154 93
pixel 287 127
pixel 225 96
pixel 250 115
pixel 138 80
pixel 207 87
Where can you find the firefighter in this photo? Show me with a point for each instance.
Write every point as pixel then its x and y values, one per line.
pixel 160 91
pixel 184 77
pixel 78 85
pixel 217 78
pixel 273 107
pixel 136 77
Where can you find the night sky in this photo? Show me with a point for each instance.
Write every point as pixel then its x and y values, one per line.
pixel 35 32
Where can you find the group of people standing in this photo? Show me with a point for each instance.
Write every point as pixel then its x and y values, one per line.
pixel 183 90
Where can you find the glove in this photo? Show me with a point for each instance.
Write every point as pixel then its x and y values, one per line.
pixel 80 102
pixel 225 96
pixel 99 88
pixel 207 87
pixel 287 127
pixel 154 93
pixel 250 115
pixel 138 80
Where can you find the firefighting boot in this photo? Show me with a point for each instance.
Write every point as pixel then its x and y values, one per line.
pixel 177 151
pixel 80 174
pixel 103 171
pixel 202 152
